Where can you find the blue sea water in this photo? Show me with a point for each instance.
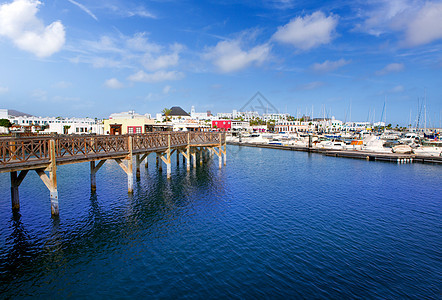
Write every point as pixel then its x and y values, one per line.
pixel 271 224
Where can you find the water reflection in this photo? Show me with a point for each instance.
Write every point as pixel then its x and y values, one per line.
pixel 112 220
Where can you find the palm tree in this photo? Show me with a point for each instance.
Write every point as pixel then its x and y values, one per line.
pixel 166 112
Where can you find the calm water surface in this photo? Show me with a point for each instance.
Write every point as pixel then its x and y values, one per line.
pixel 271 224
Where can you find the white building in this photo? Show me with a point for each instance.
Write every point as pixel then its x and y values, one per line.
pixel 131 114
pixel 75 128
pixel 200 116
pixel 54 124
pixel 240 125
pixel 329 125
pixel 357 126
pixel 243 115
pixel 294 126
pixel 276 117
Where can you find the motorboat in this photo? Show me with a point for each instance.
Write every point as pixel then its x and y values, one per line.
pixel 430 148
pixel 402 149
pixel 376 144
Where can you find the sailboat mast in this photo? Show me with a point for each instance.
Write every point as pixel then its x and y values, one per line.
pixel 425 111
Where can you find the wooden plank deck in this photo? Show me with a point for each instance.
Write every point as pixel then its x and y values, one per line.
pixel 27 153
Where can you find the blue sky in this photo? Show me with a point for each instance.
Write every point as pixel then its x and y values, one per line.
pixel 92 58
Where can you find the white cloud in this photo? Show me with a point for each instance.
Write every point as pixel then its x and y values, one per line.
pixel 307 32
pixel 311 85
pixel 39 95
pixel 391 68
pixel 426 27
pixel 385 15
pixel 281 4
pixel 397 89
pixel 167 89
pixel 113 83
pixel 3 90
pixel 152 62
pixel 158 76
pixel 84 8
pixel 139 42
pixel 419 21
pixel 229 57
pixel 19 23
pixel 328 66
pixel 141 12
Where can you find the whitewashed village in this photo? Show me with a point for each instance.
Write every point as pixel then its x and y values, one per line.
pixel 244 127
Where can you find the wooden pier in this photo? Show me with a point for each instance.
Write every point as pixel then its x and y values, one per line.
pixel 373 156
pixel 19 155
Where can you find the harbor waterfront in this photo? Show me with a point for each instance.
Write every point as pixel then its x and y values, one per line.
pixel 269 224
pixel 367 155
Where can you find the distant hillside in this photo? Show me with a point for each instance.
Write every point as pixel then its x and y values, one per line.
pixel 16 113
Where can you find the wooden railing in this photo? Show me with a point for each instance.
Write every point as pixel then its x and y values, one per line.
pixel 36 149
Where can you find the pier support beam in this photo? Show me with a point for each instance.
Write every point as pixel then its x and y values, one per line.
pixel 51 181
pixel 15 183
pixel 137 167
pixel 168 155
pixel 159 164
pixel 177 158
pixel 186 155
pixel 94 170
pixel 188 152
pixel 219 154
pixel 140 160
pixel 220 157
pixel 225 153
pixel 129 168
pixel 129 171
pixel 194 157
pixel 130 174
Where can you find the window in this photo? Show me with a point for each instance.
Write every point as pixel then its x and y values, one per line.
pixel 133 129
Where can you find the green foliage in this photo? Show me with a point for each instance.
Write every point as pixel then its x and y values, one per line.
pixel 5 123
pixel 166 112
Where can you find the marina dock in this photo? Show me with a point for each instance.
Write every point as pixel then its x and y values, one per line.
pixel 371 156
pixel 19 155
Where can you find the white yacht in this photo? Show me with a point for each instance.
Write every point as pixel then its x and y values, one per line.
pixel 375 144
pixel 433 148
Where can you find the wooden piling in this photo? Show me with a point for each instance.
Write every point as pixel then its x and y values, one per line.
pixel 94 170
pixel 194 157
pixel 168 154
pixel 93 176
pixel 130 175
pixel 225 153
pixel 188 152
pixel 53 180
pixel 220 157
pixel 15 183
pixel 137 166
